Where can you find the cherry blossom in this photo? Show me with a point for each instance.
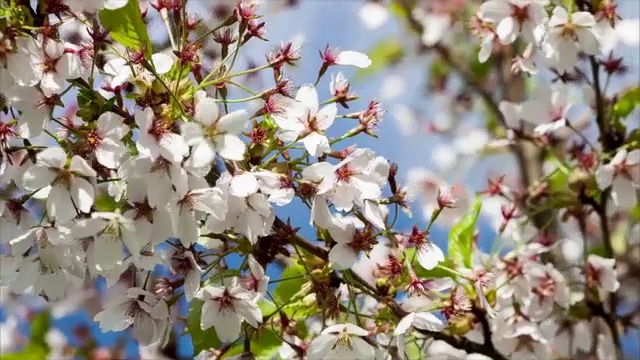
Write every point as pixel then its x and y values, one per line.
pixel 225 308
pixel 621 174
pixel 342 341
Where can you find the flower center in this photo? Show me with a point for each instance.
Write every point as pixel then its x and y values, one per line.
pixel 520 13
pixel 344 173
pixel 546 288
pixel 225 301
pixel 159 128
pixel 92 140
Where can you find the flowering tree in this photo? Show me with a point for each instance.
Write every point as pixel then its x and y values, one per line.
pixel 151 183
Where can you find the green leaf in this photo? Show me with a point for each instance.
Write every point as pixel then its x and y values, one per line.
pixel 286 289
pixel 39 327
pixel 461 236
pixel 201 339
pixel 126 26
pixel 264 345
pixel 32 351
pixel 626 103
pixel 105 203
pixel 385 53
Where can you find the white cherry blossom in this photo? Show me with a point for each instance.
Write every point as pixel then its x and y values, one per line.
pixel 622 174
pixel 305 122
pixel 226 307
pixel 67 181
pixel 343 341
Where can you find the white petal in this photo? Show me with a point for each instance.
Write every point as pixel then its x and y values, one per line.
pixel 227 326
pixel 59 205
pixel 172 147
pixel 82 193
pixel 317 171
pixel 320 214
pixel 162 63
pixel 207 111
pixel 623 193
pixel 234 122
pixel 243 185
pixel 326 116
pixel 428 321
pixel 354 58
pixel 507 30
pixel 429 256
pixel 230 147
pixel 308 96
pixel 191 284
pixel 37 177
pixel 604 176
pixel 316 144
pixel 342 256
pixel 80 166
pixel 321 346
pixel 53 157
pixel 373 213
pixel 494 10
pixel 202 153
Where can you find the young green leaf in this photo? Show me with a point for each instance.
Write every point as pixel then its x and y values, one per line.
pixel 461 236
pixel 126 26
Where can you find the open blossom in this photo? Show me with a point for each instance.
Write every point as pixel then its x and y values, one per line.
pixel 622 173
pixel 67 181
pixel 351 180
pixel 547 110
pixel 418 320
pixel 157 138
pixel 212 134
pixel 226 307
pixel 514 17
pixel 43 61
pixel 336 57
pixel 35 107
pixel 349 242
pixel 549 288
pixel 146 312
pixel 601 274
pixel 343 341
pixel 568 35
pixel 105 140
pixel 120 71
pixel 306 122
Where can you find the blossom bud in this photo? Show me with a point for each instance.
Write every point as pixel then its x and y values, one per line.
pixel 446 198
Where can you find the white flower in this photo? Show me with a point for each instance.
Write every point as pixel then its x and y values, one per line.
pixel 251 216
pixel 225 308
pixel 524 342
pixel 373 15
pixel 622 173
pixel 549 288
pixel 548 110
pixel 568 35
pixel 419 320
pixel 514 17
pixel 43 61
pixel 69 188
pixel 110 231
pixel 91 6
pixel 600 272
pixel 188 203
pixel 343 341
pixel 349 241
pixel 119 71
pixel 182 262
pixel 35 107
pixel 305 122
pixel 154 223
pixel 257 281
pixel 135 306
pixel 212 134
pixel 435 26
pixel 279 187
pixel 156 138
pixel 351 180
pixel 106 140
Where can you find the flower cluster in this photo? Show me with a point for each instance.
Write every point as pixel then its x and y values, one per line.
pixel 143 178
